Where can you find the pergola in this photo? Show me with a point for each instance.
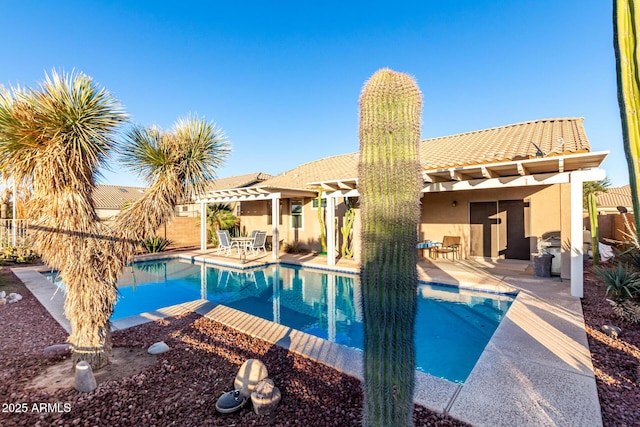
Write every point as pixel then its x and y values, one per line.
pixel 250 194
pixel 573 169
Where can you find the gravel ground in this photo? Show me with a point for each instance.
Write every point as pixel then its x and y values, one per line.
pixel 616 361
pixel 180 389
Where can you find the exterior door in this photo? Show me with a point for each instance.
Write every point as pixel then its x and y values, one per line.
pixel 498 229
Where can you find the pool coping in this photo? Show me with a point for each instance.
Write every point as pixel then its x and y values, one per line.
pixel 536 369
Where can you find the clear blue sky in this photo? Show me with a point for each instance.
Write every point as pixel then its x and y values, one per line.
pixel 282 79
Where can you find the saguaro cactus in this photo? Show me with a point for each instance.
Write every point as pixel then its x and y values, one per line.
pixel 625 24
pixel 389 184
pixel 592 205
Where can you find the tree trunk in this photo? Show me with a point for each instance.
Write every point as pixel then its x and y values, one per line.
pixel 94 347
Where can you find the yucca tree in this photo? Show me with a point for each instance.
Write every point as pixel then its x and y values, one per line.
pixel 56 138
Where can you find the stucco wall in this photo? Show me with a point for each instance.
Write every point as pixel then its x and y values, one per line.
pixel 440 218
pixel 254 217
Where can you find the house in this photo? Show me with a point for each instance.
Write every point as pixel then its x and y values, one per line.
pixel 499 189
pixel 183 229
pixel 228 183
pixel 111 199
pixel 614 197
pixel 615 214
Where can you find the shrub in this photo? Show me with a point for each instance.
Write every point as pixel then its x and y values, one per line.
pixel 627 310
pixel 18 254
pixel 622 281
pixel 155 244
pixel 295 248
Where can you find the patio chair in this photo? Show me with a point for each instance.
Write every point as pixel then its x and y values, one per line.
pixel 450 245
pixel 225 242
pixel 258 242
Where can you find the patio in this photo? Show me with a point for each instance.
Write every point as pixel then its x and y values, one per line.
pixel 536 370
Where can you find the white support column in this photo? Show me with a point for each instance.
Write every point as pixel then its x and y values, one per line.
pixel 203 226
pixel 577 261
pixel 275 233
pixel 576 252
pixel 331 230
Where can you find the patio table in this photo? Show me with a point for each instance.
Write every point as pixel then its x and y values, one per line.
pixel 243 243
pixel 429 246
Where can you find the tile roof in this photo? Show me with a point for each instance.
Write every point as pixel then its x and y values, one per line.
pixel 115 196
pixel 334 167
pixel 518 141
pixel 553 137
pixel 615 196
pixel 238 181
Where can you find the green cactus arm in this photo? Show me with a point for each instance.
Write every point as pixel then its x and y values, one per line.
pixel 625 26
pixel 593 220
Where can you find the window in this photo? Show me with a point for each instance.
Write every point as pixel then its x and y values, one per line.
pixel 269 212
pixel 296 213
pixel 315 203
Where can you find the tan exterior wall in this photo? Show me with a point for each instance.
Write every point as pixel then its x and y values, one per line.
pixel 611 226
pixel 107 214
pixel 182 231
pixel 254 217
pixel 548 211
pixel 565 228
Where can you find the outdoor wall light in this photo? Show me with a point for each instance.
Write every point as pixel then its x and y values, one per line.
pixel 454 204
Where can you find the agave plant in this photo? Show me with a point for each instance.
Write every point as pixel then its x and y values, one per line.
pixel 155 244
pixel 622 281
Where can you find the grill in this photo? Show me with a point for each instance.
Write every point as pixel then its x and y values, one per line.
pixel 551 243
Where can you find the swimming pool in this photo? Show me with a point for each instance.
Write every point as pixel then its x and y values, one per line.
pixel 452 326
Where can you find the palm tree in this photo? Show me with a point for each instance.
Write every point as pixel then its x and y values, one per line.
pixel 56 138
pixel 220 217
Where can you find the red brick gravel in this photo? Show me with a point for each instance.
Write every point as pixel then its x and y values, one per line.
pixel 616 361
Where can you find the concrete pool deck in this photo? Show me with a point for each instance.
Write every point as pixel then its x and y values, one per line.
pixel 535 371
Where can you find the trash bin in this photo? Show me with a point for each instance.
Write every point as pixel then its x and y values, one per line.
pixel 542 265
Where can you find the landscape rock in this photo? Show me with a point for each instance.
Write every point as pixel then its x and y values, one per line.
pixel 158 348
pixel 3 301
pixel 265 397
pixel 56 347
pixel 230 402
pixel 85 381
pixel 612 331
pixel 3 294
pixel 15 296
pixel 251 373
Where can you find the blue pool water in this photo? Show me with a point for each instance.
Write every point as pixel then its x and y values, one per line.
pixel 453 325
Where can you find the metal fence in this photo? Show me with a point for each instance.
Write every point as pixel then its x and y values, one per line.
pixel 13 232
